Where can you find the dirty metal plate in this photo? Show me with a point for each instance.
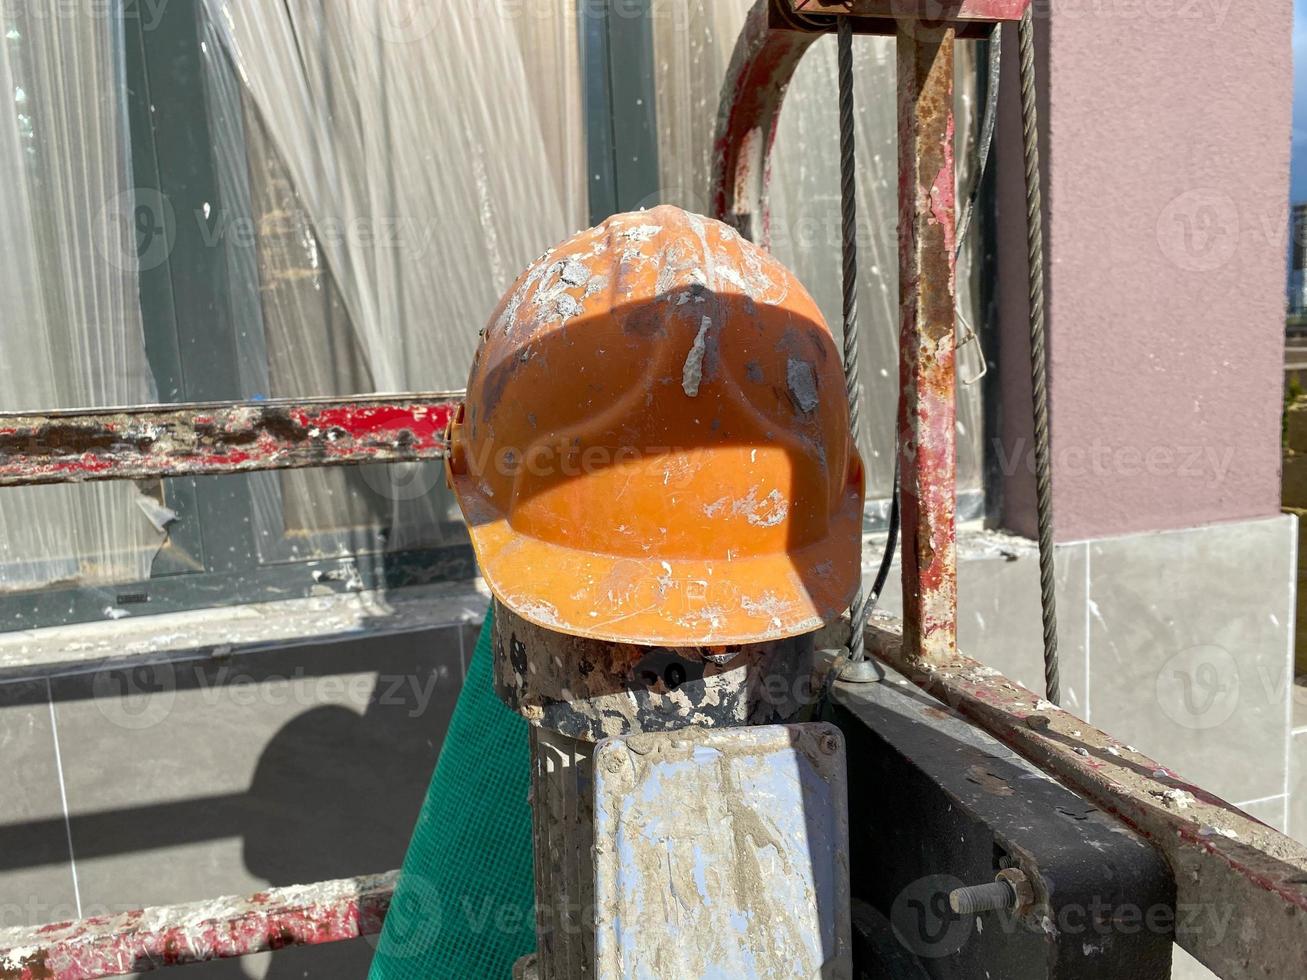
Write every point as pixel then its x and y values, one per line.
pixel 722 854
pixel 1240 886
pixel 936 803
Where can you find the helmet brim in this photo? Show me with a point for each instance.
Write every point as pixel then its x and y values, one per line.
pixel 668 602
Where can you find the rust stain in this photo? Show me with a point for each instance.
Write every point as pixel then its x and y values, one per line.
pixel 33 967
pixel 927 413
pixel 190 440
pixel 146 939
pixel 988 781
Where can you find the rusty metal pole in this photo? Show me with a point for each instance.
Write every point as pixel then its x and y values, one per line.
pixel 927 440
pixel 146 442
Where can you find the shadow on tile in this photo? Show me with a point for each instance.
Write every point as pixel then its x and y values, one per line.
pixel 235 788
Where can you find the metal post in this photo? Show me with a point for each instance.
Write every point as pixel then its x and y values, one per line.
pixel 575 692
pixel 927 441
pixel 562 824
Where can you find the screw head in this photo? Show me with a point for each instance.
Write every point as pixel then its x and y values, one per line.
pixel 829 744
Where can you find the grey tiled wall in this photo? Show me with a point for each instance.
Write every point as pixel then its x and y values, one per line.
pixel 191 780
pixel 1179 643
pixel 1298 766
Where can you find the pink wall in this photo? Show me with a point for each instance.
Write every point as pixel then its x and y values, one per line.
pixel 1166 158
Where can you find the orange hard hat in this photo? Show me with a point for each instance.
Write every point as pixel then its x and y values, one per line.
pixel 655 445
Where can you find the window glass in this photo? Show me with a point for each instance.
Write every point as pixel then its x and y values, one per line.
pixel 71 334
pixel 218 200
pixel 396 171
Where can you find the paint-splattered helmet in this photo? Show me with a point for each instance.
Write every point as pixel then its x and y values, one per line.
pixel 655 442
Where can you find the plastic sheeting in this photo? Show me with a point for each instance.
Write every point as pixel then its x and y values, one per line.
pixel 402 164
pixel 71 332
pixel 693 41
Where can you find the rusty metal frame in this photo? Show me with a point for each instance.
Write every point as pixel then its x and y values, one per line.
pixel 762 64
pixel 154 441
pixel 776 35
pixel 925 12
pixel 197 439
pixel 774 39
pixel 927 415
pixel 147 939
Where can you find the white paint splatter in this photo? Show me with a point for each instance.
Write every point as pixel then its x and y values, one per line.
pixel 574 273
pixel 1176 799
pixel 536 610
pixel 770 511
pixel 640 233
pixel 767 512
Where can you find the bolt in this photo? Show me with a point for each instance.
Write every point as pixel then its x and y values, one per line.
pixel 989 897
pixel 613 763
pixel 1010 889
pixel 829 744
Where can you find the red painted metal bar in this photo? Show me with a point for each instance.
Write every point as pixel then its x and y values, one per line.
pixel 146 939
pixel 1241 886
pixel 761 67
pixel 202 439
pixel 927 433
pixel 775 37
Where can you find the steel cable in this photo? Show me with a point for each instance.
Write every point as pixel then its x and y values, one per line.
pixel 859 608
pixel 1038 356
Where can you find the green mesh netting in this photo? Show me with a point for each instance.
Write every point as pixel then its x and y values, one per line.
pixel 464 904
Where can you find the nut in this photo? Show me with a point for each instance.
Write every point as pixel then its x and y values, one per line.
pixel 1025 891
